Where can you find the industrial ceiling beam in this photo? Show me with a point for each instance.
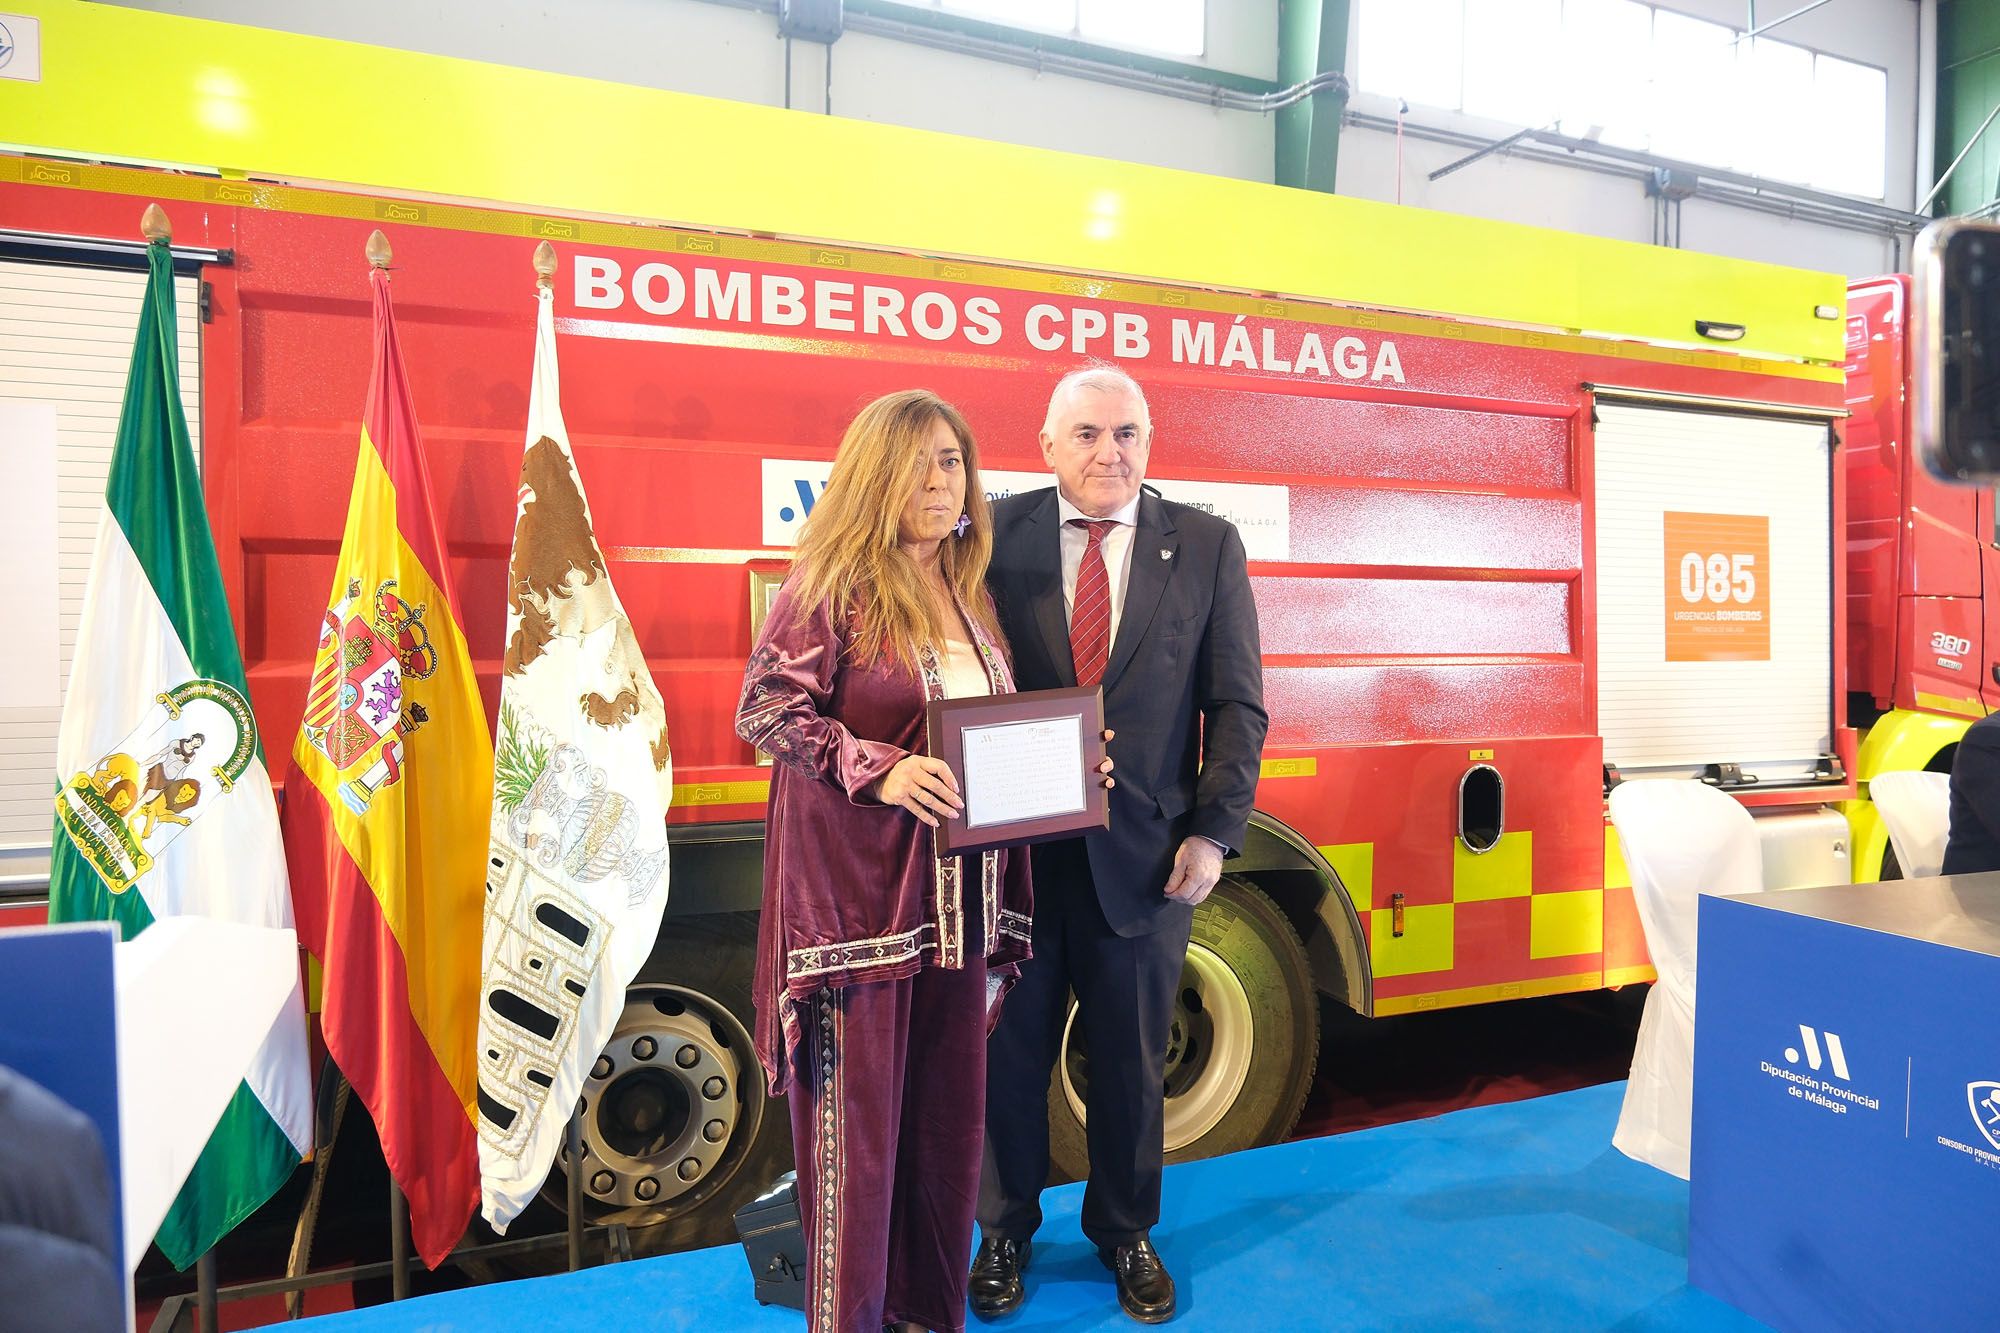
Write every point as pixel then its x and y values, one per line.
pixel 1312 40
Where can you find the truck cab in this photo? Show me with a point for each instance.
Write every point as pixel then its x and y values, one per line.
pixel 1923 648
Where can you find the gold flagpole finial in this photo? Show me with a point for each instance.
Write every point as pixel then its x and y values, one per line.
pixel 153 224
pixel 377 249
pixel 545 265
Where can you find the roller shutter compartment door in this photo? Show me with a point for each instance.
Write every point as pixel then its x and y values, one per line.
pixel 1715 550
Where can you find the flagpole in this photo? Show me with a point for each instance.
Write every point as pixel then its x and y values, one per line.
pixel 379 254
pixel 399 1233
pixel 206 1319
pixel 573 1134
pixel 155 226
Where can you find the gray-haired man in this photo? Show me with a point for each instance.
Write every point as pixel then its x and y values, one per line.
pixel 1101 583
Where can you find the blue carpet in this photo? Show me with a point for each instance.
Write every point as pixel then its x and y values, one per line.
pixel 1519 1216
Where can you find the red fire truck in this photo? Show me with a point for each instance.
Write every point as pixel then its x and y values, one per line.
pixel 1498 568
pixel 1923 644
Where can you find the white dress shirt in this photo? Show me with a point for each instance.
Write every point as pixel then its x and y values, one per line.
pixel 1117 549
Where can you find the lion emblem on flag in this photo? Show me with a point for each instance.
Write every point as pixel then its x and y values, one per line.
pixel 189 750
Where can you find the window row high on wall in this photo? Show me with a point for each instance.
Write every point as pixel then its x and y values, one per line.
pixel 1168 27
pixel 1637 76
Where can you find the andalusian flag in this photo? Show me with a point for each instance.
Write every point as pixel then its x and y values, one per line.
pixel 578 864
pixel 163 806
pixel 385 817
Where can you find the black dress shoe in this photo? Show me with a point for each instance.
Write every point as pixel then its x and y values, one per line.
pixel 994 1286
pixel 1145 1290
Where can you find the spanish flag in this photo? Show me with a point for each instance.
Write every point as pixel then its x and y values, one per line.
pixel 385 816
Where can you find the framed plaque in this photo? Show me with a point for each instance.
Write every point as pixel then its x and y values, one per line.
pixel 1026 767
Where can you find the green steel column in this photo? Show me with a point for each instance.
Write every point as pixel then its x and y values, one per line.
pixel 1968 90
pixel 1312 36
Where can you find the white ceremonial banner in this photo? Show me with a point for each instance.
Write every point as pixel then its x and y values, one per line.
pixel 1262 514
pixel 577 869
pixel 31 668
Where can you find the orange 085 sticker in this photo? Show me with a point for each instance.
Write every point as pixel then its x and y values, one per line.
pixel 1718 583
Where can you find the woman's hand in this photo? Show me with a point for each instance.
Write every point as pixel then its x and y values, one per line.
pixel 924 786
pixel 1105 767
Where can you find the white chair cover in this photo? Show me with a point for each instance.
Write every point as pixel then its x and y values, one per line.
pixel 1916 807
pixel 1681 839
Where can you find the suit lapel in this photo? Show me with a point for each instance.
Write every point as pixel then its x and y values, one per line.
pixel 1043 573
pixel 1155 548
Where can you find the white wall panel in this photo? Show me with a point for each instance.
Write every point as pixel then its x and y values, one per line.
pixel 66 339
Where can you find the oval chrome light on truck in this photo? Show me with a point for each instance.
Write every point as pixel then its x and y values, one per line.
pixel 1728 333
pixel 1482 808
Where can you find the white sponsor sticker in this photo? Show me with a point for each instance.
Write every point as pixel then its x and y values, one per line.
pixel 1262 514
pixel 21 47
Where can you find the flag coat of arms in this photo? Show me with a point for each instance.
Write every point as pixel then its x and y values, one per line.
pixel 392 772
pixel 163 806
pixel 577 869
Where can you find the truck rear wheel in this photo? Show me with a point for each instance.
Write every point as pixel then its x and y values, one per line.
pixel 677 1130
pixel 1242 1047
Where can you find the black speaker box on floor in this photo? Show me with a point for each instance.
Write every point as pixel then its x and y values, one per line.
pixel 774 1244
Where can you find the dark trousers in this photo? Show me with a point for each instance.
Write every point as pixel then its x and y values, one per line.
pixel 1125 992
pixel 885 1128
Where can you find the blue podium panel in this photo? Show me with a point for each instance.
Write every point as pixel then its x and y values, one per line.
pixel 1846 1164
pixel 59 1022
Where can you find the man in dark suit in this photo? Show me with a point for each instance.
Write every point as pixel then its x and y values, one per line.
pixel 1099 582
pixel 1974 841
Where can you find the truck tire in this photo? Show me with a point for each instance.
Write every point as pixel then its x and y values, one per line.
pixel 678 1132
pixel 1243 1046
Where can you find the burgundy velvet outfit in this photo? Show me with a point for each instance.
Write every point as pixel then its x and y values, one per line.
pixel 872 1010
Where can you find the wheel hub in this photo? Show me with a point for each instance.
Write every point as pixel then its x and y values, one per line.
pixel 664 1103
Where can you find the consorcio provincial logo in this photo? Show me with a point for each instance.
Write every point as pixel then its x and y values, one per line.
pixel 6 46
pixel 1984 1099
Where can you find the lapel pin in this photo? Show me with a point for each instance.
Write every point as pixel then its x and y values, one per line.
pixel 1166 553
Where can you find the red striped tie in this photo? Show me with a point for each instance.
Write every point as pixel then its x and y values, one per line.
pixel 1090 610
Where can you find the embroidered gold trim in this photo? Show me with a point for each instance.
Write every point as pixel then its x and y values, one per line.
pixel 879 951
pixel 825 1266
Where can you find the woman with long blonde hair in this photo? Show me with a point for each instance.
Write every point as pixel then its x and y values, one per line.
pixel 880 965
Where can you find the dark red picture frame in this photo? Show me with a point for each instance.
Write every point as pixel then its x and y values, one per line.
pixel 949 719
